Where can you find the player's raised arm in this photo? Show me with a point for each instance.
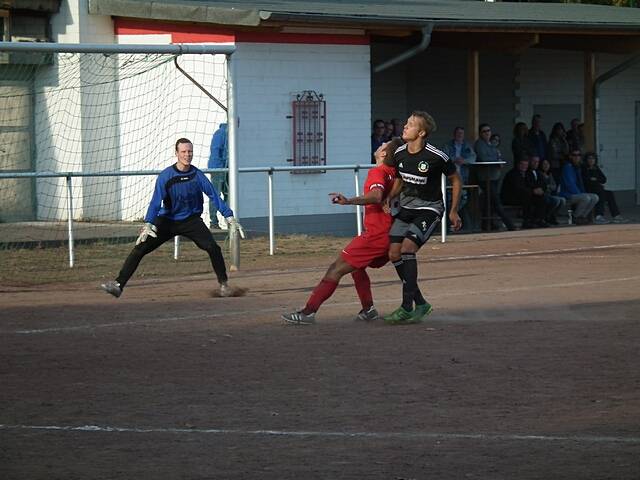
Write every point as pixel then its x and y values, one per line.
pixel 373 196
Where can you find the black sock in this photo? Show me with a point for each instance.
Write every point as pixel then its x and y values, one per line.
pixel 399 265
pixel 410 281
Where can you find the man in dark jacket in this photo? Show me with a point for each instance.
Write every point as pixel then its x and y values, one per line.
pixel 516 190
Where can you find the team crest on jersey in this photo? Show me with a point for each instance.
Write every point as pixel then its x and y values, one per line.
pixel 423 167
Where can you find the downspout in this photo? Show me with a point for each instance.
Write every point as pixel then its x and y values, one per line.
pixel 412 52
pixel 596 95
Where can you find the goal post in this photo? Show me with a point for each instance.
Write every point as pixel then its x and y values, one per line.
pixel 96 109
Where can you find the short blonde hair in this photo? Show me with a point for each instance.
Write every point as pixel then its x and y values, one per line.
pixel 428 123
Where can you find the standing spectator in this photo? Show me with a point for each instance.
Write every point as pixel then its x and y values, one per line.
pixel 462 154
pixel 219 158
pixel 594 180
pixel 486 152
pixel 495 140
pixel 575 136
pixel 552 199
pixel 537 137
pixel 378 137
pixel 572 188
pixel 558 149
pixel 521 146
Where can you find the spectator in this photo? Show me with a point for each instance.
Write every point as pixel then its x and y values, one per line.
pixel 554 202
pixel 378 137
pixel 219 158
pixel 575 136
pixel 538 185
pixel 558 150
pixel 495 141
pixel 517 191
pixel 572 188
pixel 521 146
pixel 538 138
pixel 398 127
pixel 594 180
pixel 388 130
pixel 486 152
pixel 463 155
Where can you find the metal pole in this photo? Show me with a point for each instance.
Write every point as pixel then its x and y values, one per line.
pixel 176 247
pixel 70 220
pixel 232 121
pixel 358 212
pixel 272 240
pixel 443 224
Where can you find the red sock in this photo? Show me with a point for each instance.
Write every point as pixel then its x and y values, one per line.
pixel 363 287
pixel 322 291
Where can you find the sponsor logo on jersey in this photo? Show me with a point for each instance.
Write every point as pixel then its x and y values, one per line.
pixel 415 179
pixel 423 167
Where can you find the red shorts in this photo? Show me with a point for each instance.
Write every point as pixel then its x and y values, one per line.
pixel 367 250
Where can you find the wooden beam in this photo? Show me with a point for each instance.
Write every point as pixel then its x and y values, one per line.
pixel 589 107
pixel 591 43
pixel 505 42
pixel 473 93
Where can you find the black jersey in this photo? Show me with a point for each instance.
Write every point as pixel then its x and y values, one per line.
pixel 421 175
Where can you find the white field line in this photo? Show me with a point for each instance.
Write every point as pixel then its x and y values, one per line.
pixel 330 434
pixel 524 253
pixel 236 313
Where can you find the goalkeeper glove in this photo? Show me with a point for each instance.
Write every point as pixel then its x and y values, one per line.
pixel 235 226
pixel 149 230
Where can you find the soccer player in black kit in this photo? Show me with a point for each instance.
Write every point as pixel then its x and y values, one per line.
pixel 420 167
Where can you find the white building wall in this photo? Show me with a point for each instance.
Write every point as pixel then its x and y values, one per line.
pixel 267 78
pixel 60 141
pixel 556 77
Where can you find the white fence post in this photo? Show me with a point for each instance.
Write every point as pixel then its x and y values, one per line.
pixel 443 225
pixel 358 211
pixel 70 220
pixel 272 240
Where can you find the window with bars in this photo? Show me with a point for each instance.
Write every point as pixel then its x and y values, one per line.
pixel 309 125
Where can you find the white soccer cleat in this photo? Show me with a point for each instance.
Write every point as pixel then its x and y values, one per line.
pixel 299 318
pixel 112 287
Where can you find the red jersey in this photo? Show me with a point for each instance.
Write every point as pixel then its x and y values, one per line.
pixel 380 177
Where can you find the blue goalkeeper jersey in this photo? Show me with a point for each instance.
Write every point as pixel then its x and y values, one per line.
pixel 178 195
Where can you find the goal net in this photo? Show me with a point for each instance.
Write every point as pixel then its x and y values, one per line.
pixel 95 115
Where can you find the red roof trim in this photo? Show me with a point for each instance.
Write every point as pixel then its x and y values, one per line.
pixel 190 33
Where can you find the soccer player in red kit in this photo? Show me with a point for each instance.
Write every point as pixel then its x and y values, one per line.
pixel 370 249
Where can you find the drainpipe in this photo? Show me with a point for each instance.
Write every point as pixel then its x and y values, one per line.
pixel 412 52
pixel 596 95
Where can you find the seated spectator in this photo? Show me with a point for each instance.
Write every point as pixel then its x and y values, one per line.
pixel 462 154
pixel 572 188
pixel 552 199
pixel 521 146
pixel 558 150
pixel 378 137
pixel 538 185
pixel 517 190
pixel 594 180
pixel 485 152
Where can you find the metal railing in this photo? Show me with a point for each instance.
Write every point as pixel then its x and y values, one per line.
pixel 68 176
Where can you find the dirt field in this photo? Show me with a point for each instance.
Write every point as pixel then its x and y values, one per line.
pixel 529 368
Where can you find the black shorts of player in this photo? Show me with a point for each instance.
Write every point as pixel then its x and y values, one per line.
pixel 416 225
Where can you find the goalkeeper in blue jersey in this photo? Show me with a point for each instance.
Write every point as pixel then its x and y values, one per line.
pixel 175 209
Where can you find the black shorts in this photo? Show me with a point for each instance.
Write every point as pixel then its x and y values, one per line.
pixel 416 225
